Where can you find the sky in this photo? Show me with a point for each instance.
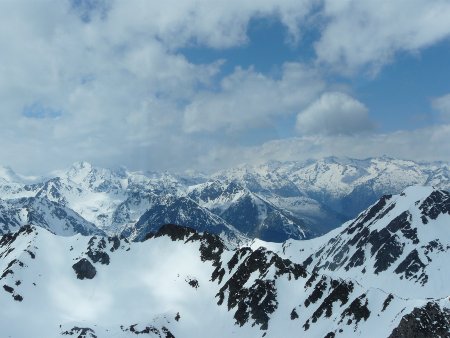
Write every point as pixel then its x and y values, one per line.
pixel 204 85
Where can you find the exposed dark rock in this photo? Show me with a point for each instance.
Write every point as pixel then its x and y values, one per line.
pixel 148 330
pixel 403 223
pixel 80 332
pixel 84 269
pixel 211 247
pixel 238 255
pixel 387 301
pixel 167 333
pixel 388 254
pixel 425 322
pixel 357 259
pixel 175 232
pixel 313 277
pixel 96 251
pixel 115 243
pixel 18 298
pixel 259 300
pixel 357 309
pixel 374 210
pixel 410 267
pixel 433 246
pixel 6 273
pixel 8 288
pixel 386 245
pixel 192 282
pixel 32 254
pixel 340 292
pixel 9 238
pixel 434 205
pixel 318 292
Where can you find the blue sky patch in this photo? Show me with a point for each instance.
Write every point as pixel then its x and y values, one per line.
pixel 39 111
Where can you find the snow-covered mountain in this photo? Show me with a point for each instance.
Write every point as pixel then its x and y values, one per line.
pixel 249 212
pixel 345 185
pixel 181 283
pixel 56 218
pixel 181 210
pixel 382 274
pixel 274 202
pixel 402 240
pixel 401 244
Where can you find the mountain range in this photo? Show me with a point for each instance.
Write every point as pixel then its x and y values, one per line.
pixel 382 274
pixel 273 202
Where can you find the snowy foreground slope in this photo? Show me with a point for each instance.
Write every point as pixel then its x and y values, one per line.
pixel 400 244
pixel 180 283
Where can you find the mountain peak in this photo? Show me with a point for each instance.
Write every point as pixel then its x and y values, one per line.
pixel 80 165
pixel 399 241
pixel 8 175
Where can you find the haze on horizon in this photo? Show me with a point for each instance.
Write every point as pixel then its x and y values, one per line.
pixel 156 85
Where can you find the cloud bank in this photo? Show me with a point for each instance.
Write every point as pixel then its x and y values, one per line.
pixel 105 81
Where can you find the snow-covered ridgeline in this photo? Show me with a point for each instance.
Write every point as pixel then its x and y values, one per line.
pixel 275 201
pixel 183 284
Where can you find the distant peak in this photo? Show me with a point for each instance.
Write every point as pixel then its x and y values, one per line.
pixel 7 174
pixel 82 165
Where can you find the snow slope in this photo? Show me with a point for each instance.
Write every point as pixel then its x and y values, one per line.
pixel 250 213
pixel 41 212
pixel 400 244
pixel 180 283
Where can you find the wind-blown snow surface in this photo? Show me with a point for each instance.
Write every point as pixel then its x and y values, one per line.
pixel 180 283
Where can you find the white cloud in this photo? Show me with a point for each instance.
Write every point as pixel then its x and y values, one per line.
pixel 442 105
pixel 115 89
pixel 370 33
pixel 334 113
pixel 218 24
pixel 426 144
pixel 114 76
pixel 247 99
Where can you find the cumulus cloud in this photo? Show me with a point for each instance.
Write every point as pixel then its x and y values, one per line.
pixel 442 105
pixel 334 113
pixel 105 81
pixel 247 99
pixel 369 33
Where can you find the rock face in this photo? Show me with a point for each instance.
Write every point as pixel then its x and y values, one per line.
pixel 400 241
pixel 81 332
pixel 424 322
pixel 84 269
